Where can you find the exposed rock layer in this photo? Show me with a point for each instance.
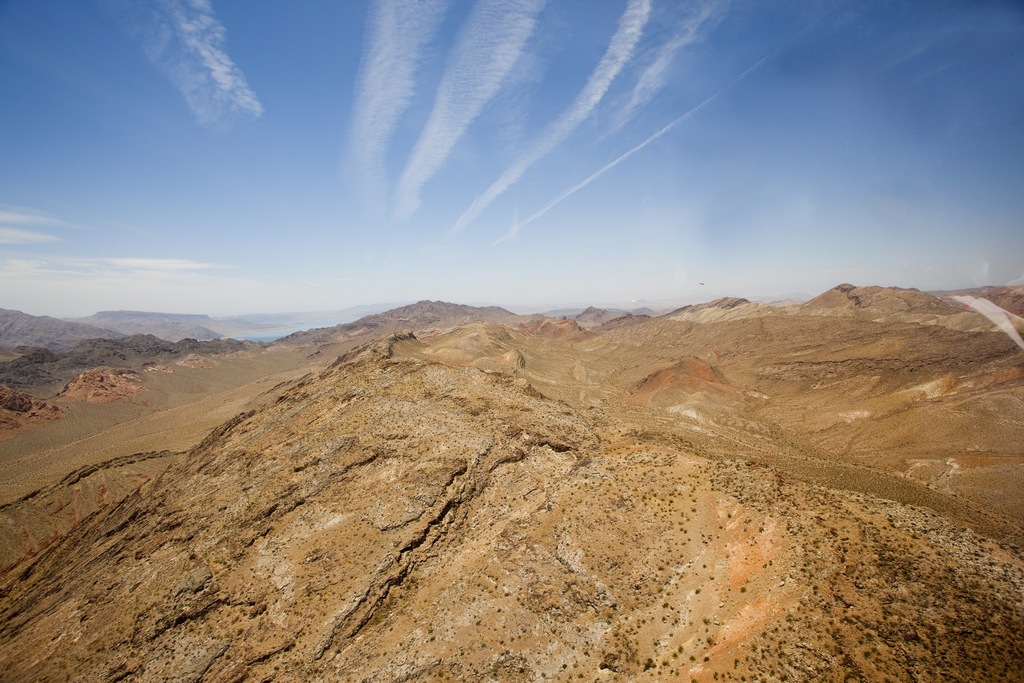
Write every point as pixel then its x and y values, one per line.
pixel 18 410
pixel 400 519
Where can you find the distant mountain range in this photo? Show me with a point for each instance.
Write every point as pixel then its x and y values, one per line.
pixel 169 326
pixel 420 315
pixel 56 334
pixel 21 329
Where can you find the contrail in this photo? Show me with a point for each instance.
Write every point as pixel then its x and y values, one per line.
pixel 619 52
pixel 398 32
pixel 653 78
pixel 547 207
pixel 185 40
pixel 994 313
pixel 488 46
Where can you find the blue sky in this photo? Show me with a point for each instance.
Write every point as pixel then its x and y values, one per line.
pixel 260 156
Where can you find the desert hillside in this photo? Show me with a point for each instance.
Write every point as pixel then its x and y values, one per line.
pixel 423 314
pixel 789 496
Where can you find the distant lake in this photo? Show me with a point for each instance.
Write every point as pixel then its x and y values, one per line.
pixel 273 335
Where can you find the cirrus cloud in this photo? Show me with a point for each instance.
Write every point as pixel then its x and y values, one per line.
pixel 489 44
pixel 398 31
pixel 619 52
pixel 186 41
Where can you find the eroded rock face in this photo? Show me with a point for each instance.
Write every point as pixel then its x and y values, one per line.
pixel 103 385
pixel 37 520
pixel 399 519
pixel 15 401
pixel 19 410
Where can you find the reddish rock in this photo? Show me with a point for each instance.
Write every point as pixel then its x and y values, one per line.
pixel 18 410
pixel 103 385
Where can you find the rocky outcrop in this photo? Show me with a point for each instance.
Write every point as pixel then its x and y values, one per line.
pixel 43 370
pixel 554 328
pixel 669 387
pixel 195 361
pixel 19 410
pixel 103 385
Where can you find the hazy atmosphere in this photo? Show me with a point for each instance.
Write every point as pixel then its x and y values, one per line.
pixel 233 157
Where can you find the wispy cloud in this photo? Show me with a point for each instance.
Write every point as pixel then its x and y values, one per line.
pixel 397 32
pixel 185 40
pixel 17 236
pixel 580 185
pixel 619 52
pixel 28 217
pixel 160 264
pixel 13 220
pixel 652 79
pixel 110 265
pixel 489 44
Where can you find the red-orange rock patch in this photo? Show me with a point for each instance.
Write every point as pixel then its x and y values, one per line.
pixel 103 385
pixel 19 410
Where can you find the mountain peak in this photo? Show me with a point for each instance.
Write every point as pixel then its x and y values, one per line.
pixel 880 299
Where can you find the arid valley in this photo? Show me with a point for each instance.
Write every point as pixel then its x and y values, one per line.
pixel 817 491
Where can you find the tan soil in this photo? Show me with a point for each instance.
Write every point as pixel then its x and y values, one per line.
pixel 782 498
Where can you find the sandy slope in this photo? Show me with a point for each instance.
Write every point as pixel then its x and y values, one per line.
pixel 175 411
pixel 398 519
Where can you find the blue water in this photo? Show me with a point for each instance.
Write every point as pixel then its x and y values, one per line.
pixel 273 335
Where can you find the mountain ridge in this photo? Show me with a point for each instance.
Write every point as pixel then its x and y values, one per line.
pixel 419 315
pixel 170 326
pixel 22 329
pixel 523 536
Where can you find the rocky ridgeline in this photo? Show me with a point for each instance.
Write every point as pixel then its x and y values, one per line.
pixel 399 519
pixel 421 315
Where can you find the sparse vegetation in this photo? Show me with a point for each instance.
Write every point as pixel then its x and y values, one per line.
pixel 392 508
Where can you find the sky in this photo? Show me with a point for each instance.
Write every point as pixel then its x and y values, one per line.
pixel 232 157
